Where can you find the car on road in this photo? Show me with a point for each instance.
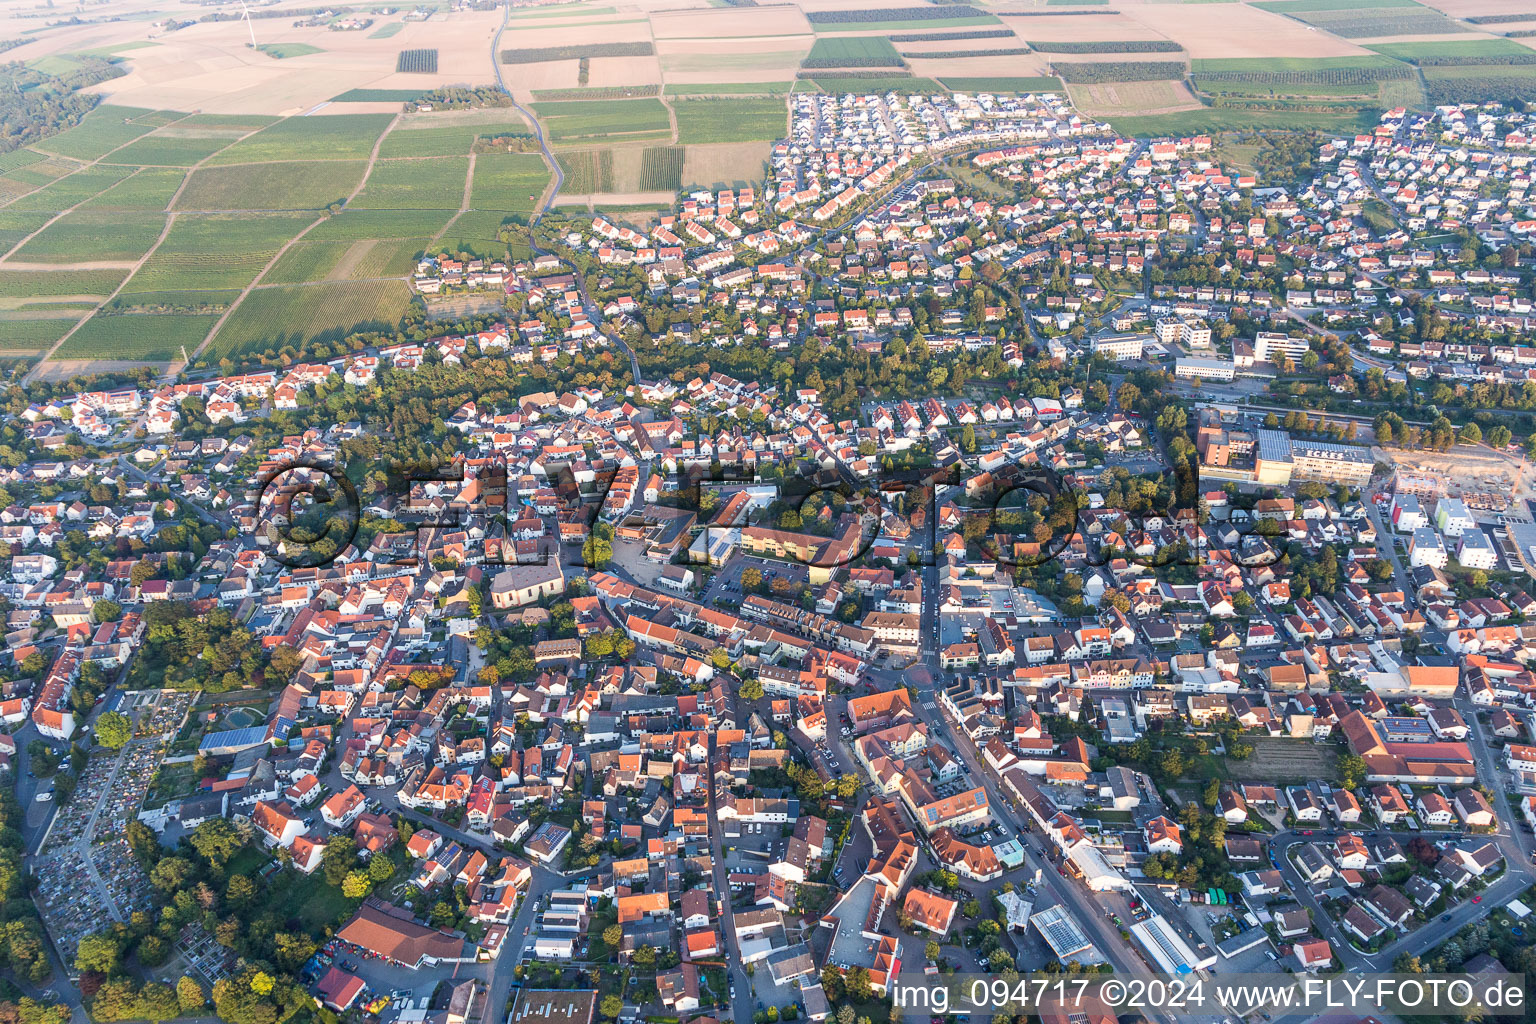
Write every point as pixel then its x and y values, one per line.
pixel 1445 917
pixel 45 796
pixel 1477 899
pixel 1306 832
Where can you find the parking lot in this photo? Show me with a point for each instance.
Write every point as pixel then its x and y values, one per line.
pixel 726 585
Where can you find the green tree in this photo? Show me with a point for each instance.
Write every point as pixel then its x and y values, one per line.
pixel 216 840
pixel 752 689
pixel 158 1003
pixel 356 885
pixel 380 868
pixel 105 610
pixel 113 730
pixel 612 936
pixel 611 1006
pixel 189 995
pixel 337 861
pixel 932 951
pixel 100 953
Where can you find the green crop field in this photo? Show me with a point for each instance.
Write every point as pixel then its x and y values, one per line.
pixel 87 236
pixel 1242 65
pixel 587 171
pixel 98 133
pixel 31 284
pixel 853 52
pixel 308 261
pixel 149 189
pixel 731 89
pixel 228 122
pixel 386 31
pixel 869 86
pixel 1454 48
pixel 661 169
pixel 214 252
pixel 476 232
pixel 153 338
pixel 270 318
pixel 1293 6
pixel 335 137
pixel 377 96
pixel 172 148
pixel 588 118
pixel 362 225
pixel 282 51
pixel 415 185
pixel 71 190
pixel 279 185
pixel 508 182
pixel 1374 22
pixel 1043 83
pixel 215 300
pixel 34 334
pixel 731 120
pixel 18 224
pixel 448 140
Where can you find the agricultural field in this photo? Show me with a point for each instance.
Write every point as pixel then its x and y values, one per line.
pixel 270 318
pixel 215 252
pixel 730 89
pixel 831 82
pixel 378 96
pixel 142 336
pixel 1304 6
pixel 661 169
pixel 34 334
pixel 1284 761
pixel 280 185
pixel 59 284
pixel 1108 46
pixel 1210 120
pixel 1044 83
pixel 741 163
pixel 899 19
pixel 853 52
pixel 539 54
pixel 1375 22
pixel 508 182
pixel 72 189
pixel 98 133
pixel 282 51
pixel 1470 49
pixel 88 236
pixel 731 120
pixel 1324 69
pixel 149 189
pixel 416 62
pixel 587 171
pixel 173 147
pixel 387 31
pixel 337 137
pixel 1461 84
pixel 414 185
pixel 1118 71
pixel 1119 98
pixel 645 118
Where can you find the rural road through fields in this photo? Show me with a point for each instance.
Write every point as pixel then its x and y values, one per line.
pixel 548 203
pixel 373 158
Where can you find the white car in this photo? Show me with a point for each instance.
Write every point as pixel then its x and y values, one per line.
pixel 45 796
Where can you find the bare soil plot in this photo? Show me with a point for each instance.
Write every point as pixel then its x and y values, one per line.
pixel 64 369
pixel 727 163
pixel 523 79
pixel 210 67
pixel 1163 97
pixel 606 72
pixel 713 22
pixel 1024 65
pixel 1283 761
pixel 1237 31
pixel 1077 29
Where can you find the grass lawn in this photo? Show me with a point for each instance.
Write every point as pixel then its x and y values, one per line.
pixel 309 899
pixel 1209 120
pixel 282 51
